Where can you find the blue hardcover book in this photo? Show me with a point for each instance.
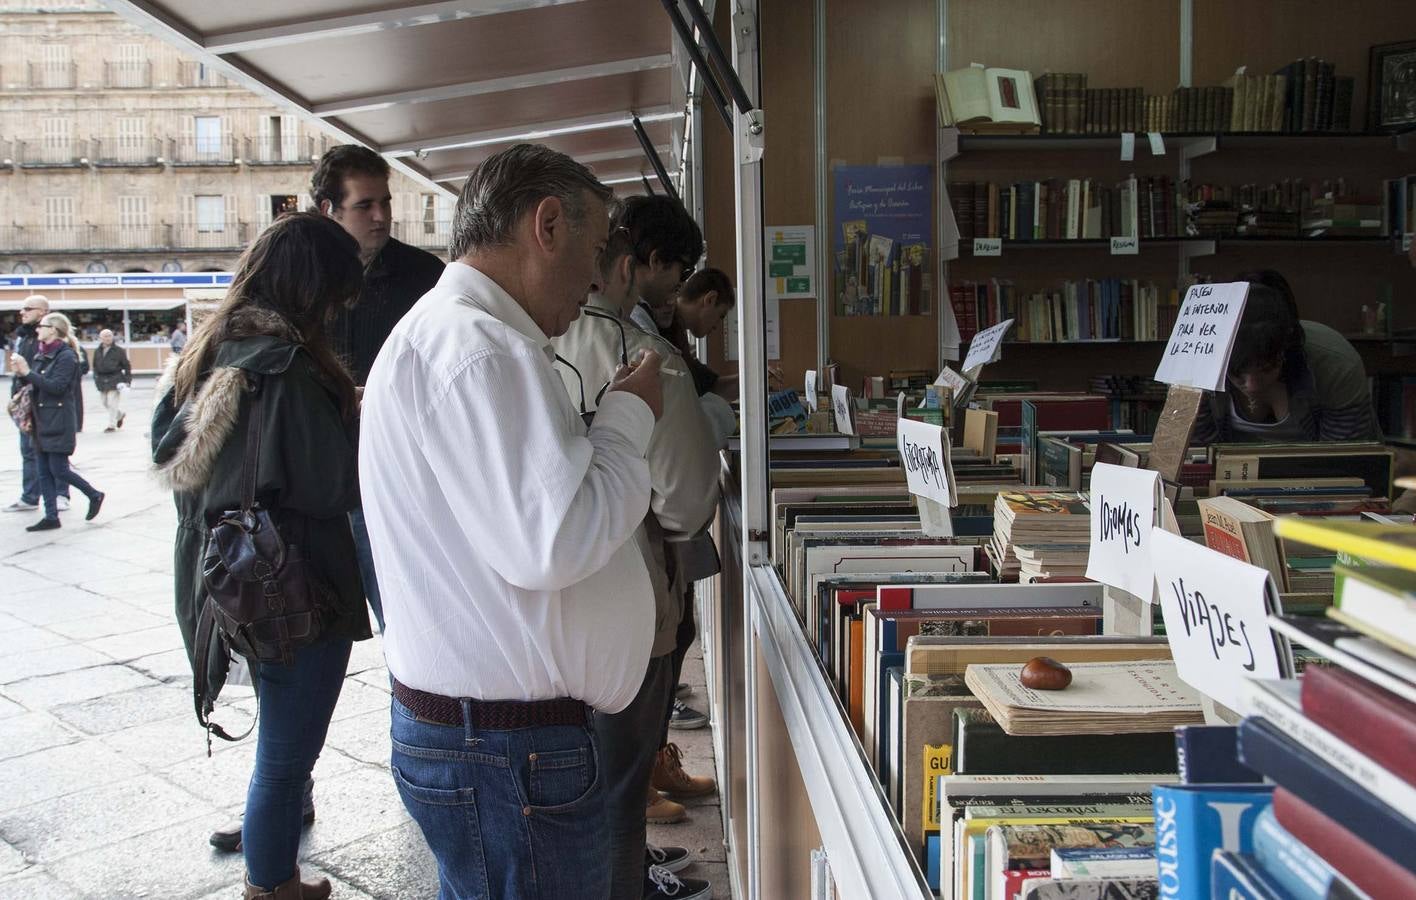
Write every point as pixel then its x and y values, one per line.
pixel 1192 821
pixel 932 859
pixel 888 661
pixel 1298 869
pixel 1265 749
pixel 1209 754
pixel 1234 876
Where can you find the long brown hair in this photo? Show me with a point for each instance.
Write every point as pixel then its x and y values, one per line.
pixel 287 284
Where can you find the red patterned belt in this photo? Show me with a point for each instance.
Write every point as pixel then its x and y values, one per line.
pixel 492 715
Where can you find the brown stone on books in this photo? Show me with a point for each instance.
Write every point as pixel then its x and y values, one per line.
pixel 1043 673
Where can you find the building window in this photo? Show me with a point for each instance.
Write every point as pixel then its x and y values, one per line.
pixel 132 138
pixel 58 212
pixel 58 137
pixel 56 68
pixel 211 212
pixel 129 68
pixel 208 132
pixel 436 216
pixel 133 212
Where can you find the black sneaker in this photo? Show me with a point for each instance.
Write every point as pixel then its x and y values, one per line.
pixel 45 524
pixel 662 884
pixel 94 504
pixel 672 859
pixel 686 717
pixel 683 689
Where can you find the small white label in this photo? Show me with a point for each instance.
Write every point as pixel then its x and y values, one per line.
pixel 810 397
pixel 841 405
pixel 1406 242
pixel 1157 143
pixel 1125 246
pixel 1128 146
pixel 988 247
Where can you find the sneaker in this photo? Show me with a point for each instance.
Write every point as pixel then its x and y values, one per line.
pixel 121 417
pixel 63 502
pixel 660 883
pixel 670 777
pixel 45 524
pixel 671 859
pixel 22 505
pixel 94 504
pixel 109 430
pixel 660 810
pixel 683 689
pixel 686 717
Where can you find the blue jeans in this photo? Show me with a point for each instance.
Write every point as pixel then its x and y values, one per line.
pixel 29 471
pixel 365 555
pixel 54 472
pixel 296 704
pixel 510 815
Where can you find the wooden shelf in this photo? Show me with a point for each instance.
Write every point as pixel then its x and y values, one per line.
pixel 1221 141
pixel 1014 244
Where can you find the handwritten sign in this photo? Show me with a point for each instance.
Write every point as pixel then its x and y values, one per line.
pixel 1123 509
pixel 986 346
pixel 988 247
pixel 1125 246
pixel 1216 610
pixel 811 389
pixel 841 406
pixel 956 383
pixel 1203 336
pixel 924 452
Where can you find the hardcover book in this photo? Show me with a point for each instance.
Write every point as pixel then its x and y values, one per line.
pixel 982 747
pixel 1293 865
pixel 1373 721
pixel 1364 866
pixel 1092 889
pixel 1193 821
pixel 1103 862
pixel 1235 876
pixel 1103 698
pixel 1209 754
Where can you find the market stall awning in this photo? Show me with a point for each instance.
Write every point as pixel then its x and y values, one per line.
pixel 437 87
pixel 99 301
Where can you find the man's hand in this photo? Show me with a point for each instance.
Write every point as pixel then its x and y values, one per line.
pixel 641 378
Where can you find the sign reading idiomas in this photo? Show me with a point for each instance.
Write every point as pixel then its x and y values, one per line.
pixel 1124 504
pixel 1216 617
pixel 924 452
pixel 1203 336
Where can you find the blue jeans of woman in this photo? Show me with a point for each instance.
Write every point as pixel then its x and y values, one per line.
pixel 54 471
pixel 510 815
pixel 296 703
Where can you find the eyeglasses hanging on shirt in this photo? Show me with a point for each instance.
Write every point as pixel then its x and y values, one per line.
pixel 587 414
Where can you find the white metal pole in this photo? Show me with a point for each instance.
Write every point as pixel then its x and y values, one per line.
pixel 823 218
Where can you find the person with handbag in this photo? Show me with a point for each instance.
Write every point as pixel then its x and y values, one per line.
pixel 54 424
pixel 34 307
pixel 254 433
pixel 111 374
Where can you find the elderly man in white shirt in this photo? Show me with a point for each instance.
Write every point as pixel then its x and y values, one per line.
pixel 505 536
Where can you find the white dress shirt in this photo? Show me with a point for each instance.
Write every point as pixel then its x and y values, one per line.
pixel 503 531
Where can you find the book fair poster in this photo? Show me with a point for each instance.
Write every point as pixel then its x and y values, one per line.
pixel 791 262
pixel 882 240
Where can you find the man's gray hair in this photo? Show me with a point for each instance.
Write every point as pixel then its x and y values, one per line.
pixel 510 184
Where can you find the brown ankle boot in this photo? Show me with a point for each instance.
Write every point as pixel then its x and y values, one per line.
pixel 294 889
pixel 660 810
pixel 670 777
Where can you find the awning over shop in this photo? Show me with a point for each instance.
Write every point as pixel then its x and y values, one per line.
pixel 99 301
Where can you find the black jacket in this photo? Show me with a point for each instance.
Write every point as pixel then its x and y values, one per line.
pixel 394 281
pixel 54 375
pixel 26 345
pixel 307 470
pixel 111 367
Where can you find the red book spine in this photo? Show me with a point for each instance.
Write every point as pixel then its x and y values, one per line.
pixel 896 598
pixel 1371 871
pixel 1372 720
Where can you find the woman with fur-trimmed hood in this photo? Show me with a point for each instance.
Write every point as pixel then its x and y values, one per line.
pixel 269 335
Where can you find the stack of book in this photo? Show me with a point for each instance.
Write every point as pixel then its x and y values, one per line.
pixel 1051 525
pixel 1337 742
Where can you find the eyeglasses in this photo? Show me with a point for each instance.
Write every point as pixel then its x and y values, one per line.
pixel 31 308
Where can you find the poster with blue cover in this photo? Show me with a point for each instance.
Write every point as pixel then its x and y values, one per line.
pixel 883 240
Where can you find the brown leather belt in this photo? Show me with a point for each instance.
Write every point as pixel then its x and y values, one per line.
pixel 492 715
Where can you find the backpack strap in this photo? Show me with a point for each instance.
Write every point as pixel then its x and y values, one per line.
pixel 254 428
pixel 201 687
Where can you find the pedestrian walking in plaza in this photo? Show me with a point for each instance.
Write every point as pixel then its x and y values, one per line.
pixel 52 376
pixel 259 398
pixel 26 345
pixel 112 373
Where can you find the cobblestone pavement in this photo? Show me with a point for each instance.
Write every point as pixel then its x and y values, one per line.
pixel 105 786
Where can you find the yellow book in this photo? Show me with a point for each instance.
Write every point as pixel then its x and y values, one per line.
pixel 938 760
pixel 1394 545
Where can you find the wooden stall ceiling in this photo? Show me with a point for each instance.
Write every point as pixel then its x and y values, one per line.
pixel 880 90
pixel 788 831
pixel 1267 36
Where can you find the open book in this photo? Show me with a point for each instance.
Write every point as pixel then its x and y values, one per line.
pixel 987 100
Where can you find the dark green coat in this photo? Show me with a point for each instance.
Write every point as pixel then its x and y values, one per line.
pixel 308 469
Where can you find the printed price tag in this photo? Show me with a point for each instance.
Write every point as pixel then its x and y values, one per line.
pixel 988 247
pixel 924 452
pixel 841 406
pixel 1123 509
pixel 985 347
pixel 810 397
pixel 1216 617
pixel 1203 336
pixel 1157 143
pixel 1125 246
pixel 1128 146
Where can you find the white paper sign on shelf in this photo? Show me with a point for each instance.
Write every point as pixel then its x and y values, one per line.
pixel 924 452
pixel 1203 336
pixel 1157 143
pixel 1216 617
pixel 986 346
pixel 1128 146
pixel 1125 246
pixel 810 398
pixel 952 380
pixel 1124 504
pixel 900 405
pixel 988 247
pixel 841 406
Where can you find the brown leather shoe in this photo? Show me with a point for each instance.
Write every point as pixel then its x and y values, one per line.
pixel 670 777
pixel 294 889
pixel 659 810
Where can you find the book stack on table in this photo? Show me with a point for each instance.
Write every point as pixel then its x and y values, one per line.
pixel 1338 743
pixel 1039 534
